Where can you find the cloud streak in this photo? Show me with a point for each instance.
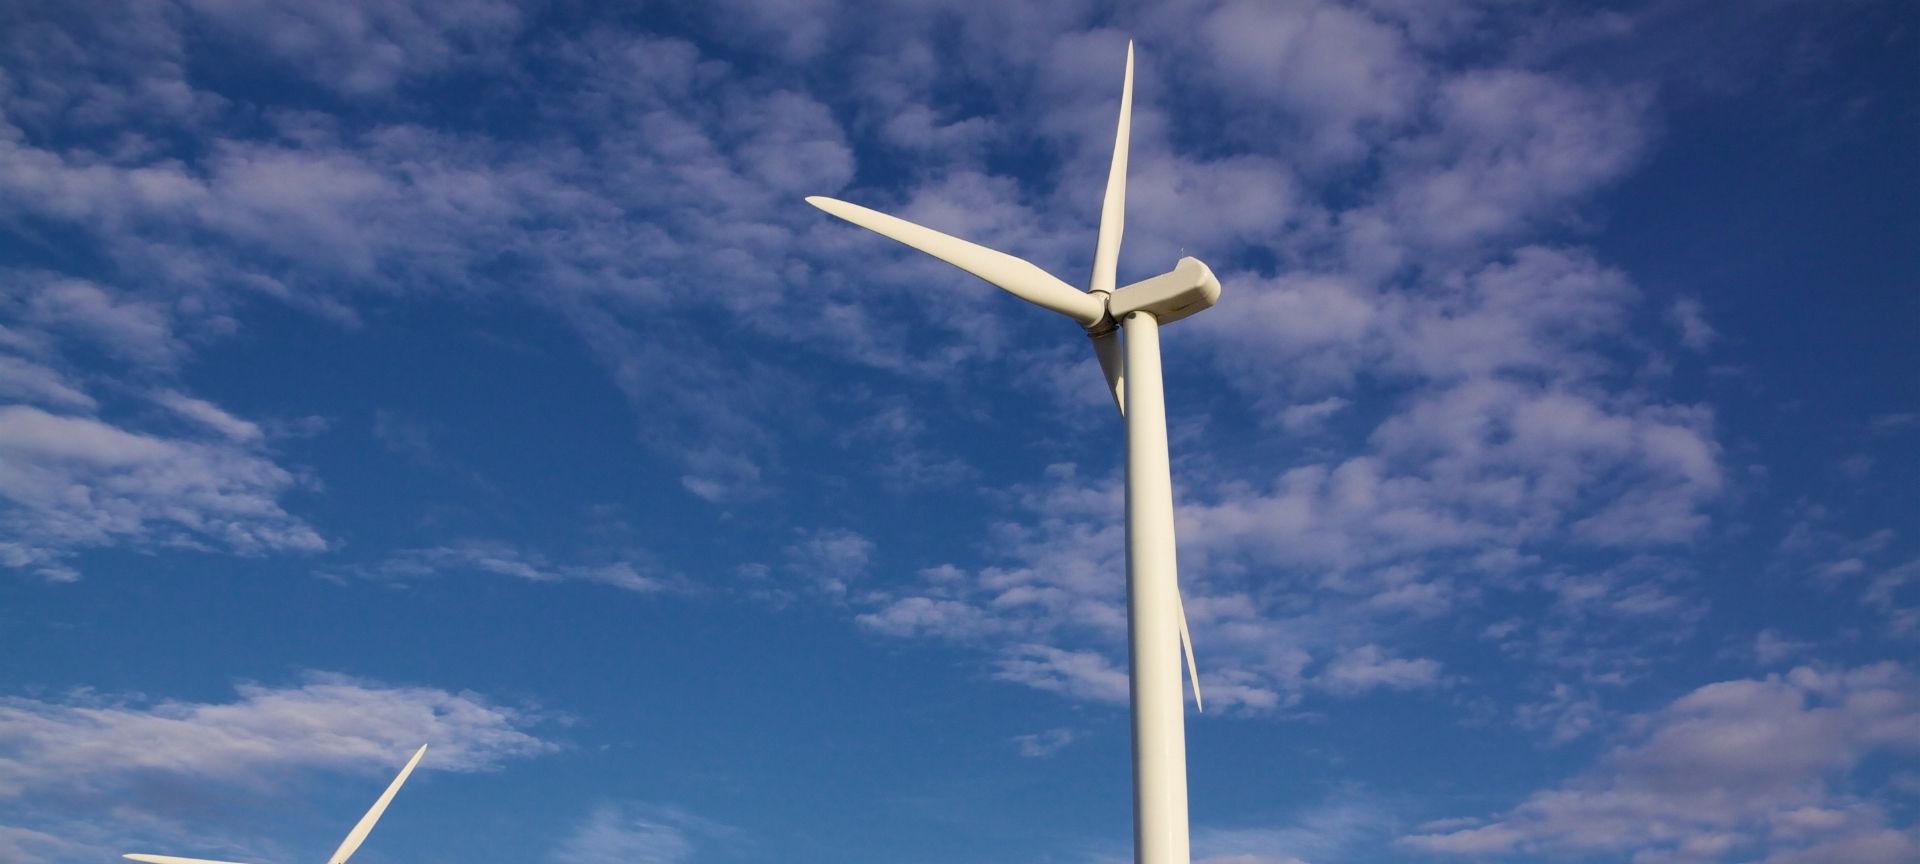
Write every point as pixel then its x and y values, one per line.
pixel 88 741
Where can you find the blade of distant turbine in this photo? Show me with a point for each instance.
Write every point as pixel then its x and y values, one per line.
pixel 1186 644
pixel 171 859
pixel 1017 277
pixel 1113 363
pixel 1113 212
pixel 359 833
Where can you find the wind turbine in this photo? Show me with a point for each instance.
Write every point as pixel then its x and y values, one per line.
pixel 1157 632
pixel 347 847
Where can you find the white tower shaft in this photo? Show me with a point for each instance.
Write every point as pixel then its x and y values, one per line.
pixel 1153 610
pixel 1156 622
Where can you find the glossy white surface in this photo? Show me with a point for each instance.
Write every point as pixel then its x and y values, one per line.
pixel 1188 288
pixel 1113 209
pixel 365 826
pixel 1153 611
pixel 1016 276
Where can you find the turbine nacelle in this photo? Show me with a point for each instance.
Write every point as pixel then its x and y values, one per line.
pixel 1188 288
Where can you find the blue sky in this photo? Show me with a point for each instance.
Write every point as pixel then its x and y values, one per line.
pixel 471 372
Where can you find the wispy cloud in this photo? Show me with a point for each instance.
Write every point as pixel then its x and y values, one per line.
pixel 75 482
pixel 1731 771
pixel 1326 832
pixel 833 560
pixel 1040 745
pixel 632 833
pixel 88 741
pixel 631 570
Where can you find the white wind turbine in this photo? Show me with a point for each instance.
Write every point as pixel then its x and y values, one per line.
pixel 1156 622
pixel 347 847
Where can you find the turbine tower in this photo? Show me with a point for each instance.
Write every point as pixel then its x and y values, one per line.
pixel 1157 632
pixel 347 847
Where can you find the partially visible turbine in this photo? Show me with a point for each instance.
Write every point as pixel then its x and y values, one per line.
pixel 1132 373
pixel 347 847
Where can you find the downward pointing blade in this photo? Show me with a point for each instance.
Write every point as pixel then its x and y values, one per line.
pixel 1113 363
pixel 1186 644
pixel 1015 276
pixel 171 859
pixel 1113 212
pixel 359 833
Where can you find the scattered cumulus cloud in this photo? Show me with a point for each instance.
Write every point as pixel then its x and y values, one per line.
pixel 832 559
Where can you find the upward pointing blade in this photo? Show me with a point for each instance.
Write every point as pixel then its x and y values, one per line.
pixel 1106 252
pixel 359 833
pixel 1017 277
pixel 1113 211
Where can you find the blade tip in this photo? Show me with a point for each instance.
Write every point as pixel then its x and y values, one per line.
pixel 832 206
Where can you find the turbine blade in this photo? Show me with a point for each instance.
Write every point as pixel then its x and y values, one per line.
pixel 1013 275
pixel 171 859
pixel 1113 363
pixel 1113 212
pixel 359 833
pixel 1186 644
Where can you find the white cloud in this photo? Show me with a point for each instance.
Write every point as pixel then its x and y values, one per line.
pixel 1368 668
pixel 87 741
pixel 1770 647
pixel 1690 316
pixel 1326 832
pixel 832 559
pixel 1078 674
pixel 1349 79
pixel 1738 768
pixel 209 415
pixel 73 483
pixel 929 616
pixel 37 383
pixel 1564 715
pixel 1507 148
pixel 630 833
pixel 1893 424
pixel 631 570
pixel 663 226
pixel 1309 416
pixel 1042 744
pixel 139 330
